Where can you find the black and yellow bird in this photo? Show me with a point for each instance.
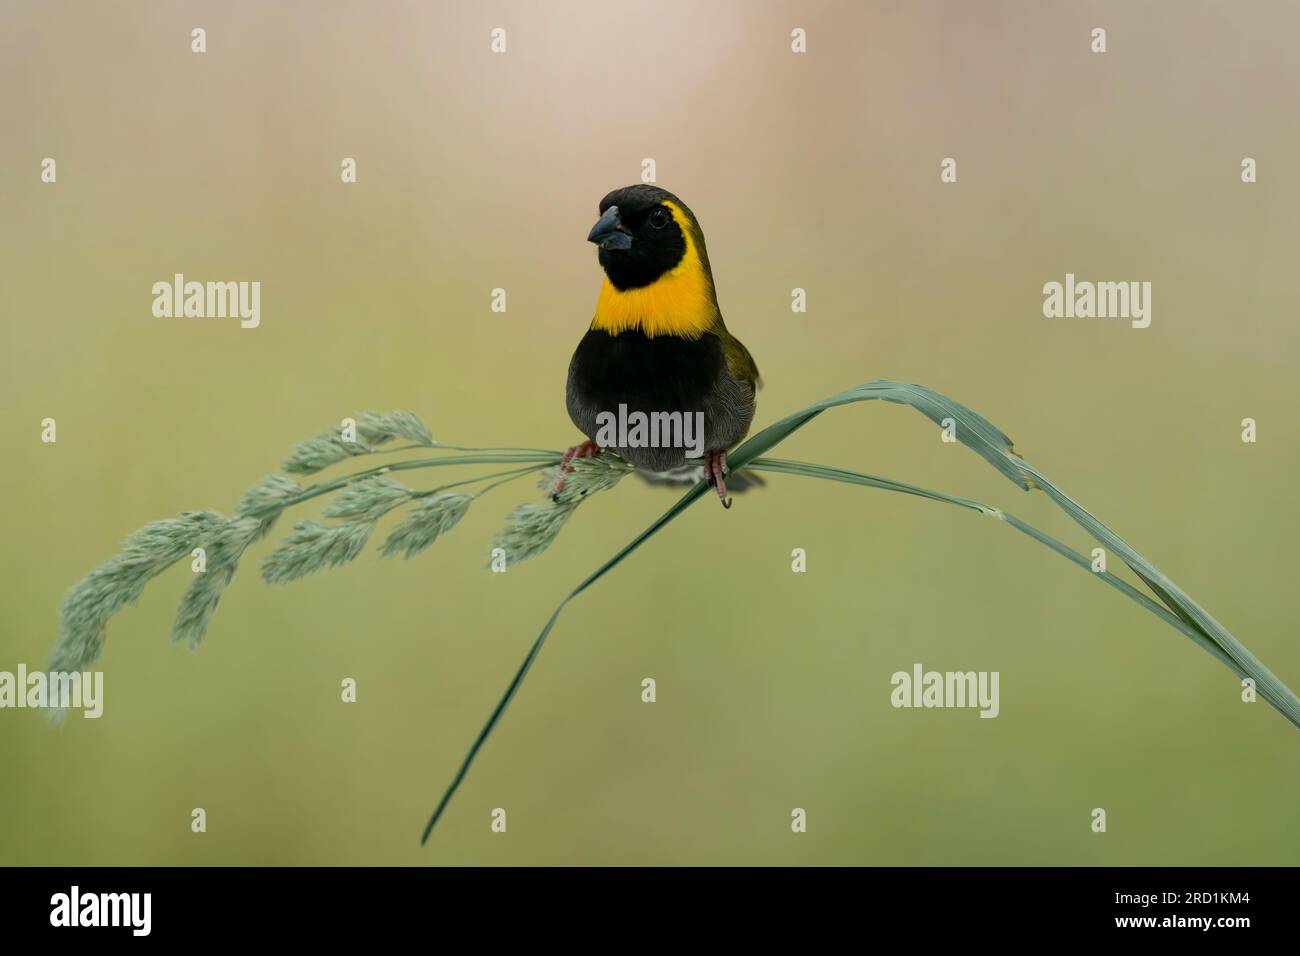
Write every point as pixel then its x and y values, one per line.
pixel 657 343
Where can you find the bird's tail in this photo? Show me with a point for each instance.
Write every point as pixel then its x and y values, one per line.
pixel 690 474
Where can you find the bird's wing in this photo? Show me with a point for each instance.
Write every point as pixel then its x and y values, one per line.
pixel 739 362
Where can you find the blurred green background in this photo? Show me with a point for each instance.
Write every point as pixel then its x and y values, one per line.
pixel 818 171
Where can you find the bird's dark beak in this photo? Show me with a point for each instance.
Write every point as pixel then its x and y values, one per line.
pixel 609 231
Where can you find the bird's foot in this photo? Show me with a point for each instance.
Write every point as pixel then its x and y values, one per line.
pixel 716 471
pixel 586 449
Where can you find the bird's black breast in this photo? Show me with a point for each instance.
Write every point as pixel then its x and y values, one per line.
pixel 660 374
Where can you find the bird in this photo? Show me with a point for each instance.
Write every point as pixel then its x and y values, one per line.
pixel 657 344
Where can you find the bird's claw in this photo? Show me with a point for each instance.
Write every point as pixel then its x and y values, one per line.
pixel 586 449
pixel 715 472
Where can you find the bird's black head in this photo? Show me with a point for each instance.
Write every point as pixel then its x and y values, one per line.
pixel 640 235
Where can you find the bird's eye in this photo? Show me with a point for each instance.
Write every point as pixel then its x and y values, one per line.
pixel 659 217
